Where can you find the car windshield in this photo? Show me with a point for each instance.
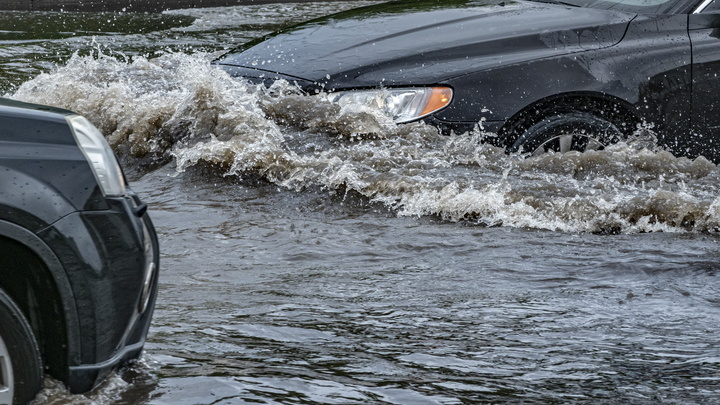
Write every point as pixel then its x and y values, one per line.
pixel 631 6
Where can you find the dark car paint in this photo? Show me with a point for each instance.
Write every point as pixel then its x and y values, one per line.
pixel 504 59
pixel 655 81
pixel 92 246
pixel 34 195
pixel 394 49
pixel 705 39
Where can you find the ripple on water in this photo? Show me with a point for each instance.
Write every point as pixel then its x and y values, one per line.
pixel 308 261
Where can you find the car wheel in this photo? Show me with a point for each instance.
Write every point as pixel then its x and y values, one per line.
pixel 20 362
pixel 574 131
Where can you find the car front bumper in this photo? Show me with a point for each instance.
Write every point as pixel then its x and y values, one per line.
pixel 111 258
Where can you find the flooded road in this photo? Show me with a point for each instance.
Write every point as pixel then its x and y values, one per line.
pixel 304 263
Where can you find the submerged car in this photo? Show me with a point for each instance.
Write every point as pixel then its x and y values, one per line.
pixel 542 75
pixel 79 254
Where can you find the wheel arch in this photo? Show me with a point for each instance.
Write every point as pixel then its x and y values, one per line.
pixel 39 281
pixel 622 113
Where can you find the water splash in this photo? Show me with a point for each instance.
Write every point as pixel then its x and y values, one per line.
pixel 180 107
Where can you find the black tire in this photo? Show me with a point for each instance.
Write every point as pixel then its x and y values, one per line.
pixel 20 362
pixel 571 131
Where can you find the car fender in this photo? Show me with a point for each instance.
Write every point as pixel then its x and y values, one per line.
pixel 30 202
pixel 656 82
pixel 62 283
pixel 43 182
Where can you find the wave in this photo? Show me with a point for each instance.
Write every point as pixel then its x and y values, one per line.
pixel 179 107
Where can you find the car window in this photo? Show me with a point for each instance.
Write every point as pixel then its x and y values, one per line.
pixel 635 6
pixel 630 6
pixel 712 8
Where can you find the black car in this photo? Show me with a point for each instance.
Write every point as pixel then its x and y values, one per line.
pixel 78 254
pixel 540 74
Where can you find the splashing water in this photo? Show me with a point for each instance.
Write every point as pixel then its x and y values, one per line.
pixel 181 107
pixel 285 281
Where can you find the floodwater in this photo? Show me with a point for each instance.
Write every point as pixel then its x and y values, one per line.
pixel 305 263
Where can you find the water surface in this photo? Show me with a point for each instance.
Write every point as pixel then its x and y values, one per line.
pixel 307 262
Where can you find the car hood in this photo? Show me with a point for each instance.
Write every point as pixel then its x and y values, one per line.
pixel 424 42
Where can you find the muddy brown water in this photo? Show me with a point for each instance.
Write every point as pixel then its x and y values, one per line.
pixel 305 264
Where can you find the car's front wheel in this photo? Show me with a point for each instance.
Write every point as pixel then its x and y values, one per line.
pixel 20 361
pixel 572 131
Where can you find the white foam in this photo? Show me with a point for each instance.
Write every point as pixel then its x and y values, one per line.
pixel 181 106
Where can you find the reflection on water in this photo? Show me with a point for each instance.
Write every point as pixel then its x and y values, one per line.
pixel 305 261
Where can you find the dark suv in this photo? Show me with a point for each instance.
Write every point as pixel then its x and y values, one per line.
pixel 78 254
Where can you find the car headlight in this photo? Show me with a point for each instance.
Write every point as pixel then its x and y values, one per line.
pixel 402 104
pixel 98 153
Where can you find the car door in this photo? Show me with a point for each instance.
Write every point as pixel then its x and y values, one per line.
pixel 704 28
